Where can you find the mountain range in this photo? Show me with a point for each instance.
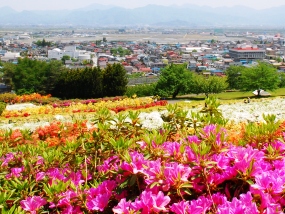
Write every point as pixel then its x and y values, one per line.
pixel 151 15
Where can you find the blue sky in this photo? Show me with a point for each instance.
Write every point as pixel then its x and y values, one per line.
pixel 20 5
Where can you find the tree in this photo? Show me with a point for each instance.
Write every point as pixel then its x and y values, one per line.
pixel 209 85
pixel 114 80
pixel 233 76
pixel 282 80
pixel 261 76
pixel 64 58
pixel 30 76
pixel 174 80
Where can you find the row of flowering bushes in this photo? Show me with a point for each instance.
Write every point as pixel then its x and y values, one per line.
pixel 69 108
pixel 10 98
pixel 119 167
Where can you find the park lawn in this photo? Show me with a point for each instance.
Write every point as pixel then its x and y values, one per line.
pixel 235 95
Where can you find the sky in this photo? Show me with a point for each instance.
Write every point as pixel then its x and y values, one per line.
pixel 20 5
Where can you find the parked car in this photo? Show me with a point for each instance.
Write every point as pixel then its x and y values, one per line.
pixel 150 74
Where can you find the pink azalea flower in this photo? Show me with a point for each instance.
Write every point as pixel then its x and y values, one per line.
pixel 159 202
pixel 194 139
pixel 32 204
pixel 171 149
pixel 56 174
pixel 109 164
pixel 98 198
pixel 15 172
pixel 201 205
pixel 150 202
pixel 270 182
pixel 242 206
pixel 154 172
pixel 66 198
pixel 99 202
pixel 76 178
pixel 72 210
pixel 40 176
pixel 180 207
pixel 175 174
pixel 123 207
pixel 40 160
pixel 137 163
pixel 6 159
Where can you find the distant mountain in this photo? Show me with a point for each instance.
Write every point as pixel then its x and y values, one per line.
pixel 96 6
pixel 153 15
pixel 4 11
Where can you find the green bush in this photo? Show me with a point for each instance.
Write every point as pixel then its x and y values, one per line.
pixel 141 90
pixel 2 107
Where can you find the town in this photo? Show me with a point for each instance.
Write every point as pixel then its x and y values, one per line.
pixel 144 52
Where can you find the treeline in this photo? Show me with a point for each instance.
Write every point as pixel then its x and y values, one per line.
pixel 32 76
pixel 177 80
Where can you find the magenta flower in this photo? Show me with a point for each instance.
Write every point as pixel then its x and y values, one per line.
pixel 172 149
pixel 32 204
pixel 99 202
pixel 180 207
pixel 40 160
pixel 154 172
pixel 150 202
pixel 123 207
pixel 67 198
pixel 5 160
pixel 269 182
pixel 159 202
pixel 201 205
pixel 194 139
pixel 15 172
pixel 109 164
pixel 98 198
pixel 137 163
pixel 76 178
pixel 40 176
pixel 244 205
pixel 175 174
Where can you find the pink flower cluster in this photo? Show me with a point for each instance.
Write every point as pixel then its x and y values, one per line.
pixel 199 174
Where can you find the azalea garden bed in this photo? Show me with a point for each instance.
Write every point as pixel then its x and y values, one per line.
pixel 173 159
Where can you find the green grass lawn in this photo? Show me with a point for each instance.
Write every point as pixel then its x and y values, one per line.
pixel 233 95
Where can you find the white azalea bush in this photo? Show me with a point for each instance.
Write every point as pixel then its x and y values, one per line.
pixel 237 112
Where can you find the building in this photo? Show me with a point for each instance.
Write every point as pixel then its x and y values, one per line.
pixel 71 51
pixel 246 53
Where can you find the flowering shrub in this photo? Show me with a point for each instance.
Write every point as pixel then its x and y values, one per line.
pixel 71 108
pixel 115 165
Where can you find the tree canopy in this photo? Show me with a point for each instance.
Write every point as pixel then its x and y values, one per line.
pixel 30 76
pixel 208 85
pixel 233 76
pixel 262 76
pixel 174 80
pixel 114 80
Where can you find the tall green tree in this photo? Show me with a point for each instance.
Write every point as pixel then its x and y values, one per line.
pixel 174 80
pixel 233 76
pixel 208 85
pixel 114 80
pixel 262 76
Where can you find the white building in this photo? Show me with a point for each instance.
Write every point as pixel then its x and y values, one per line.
pixel 71 51
pixel 10 56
